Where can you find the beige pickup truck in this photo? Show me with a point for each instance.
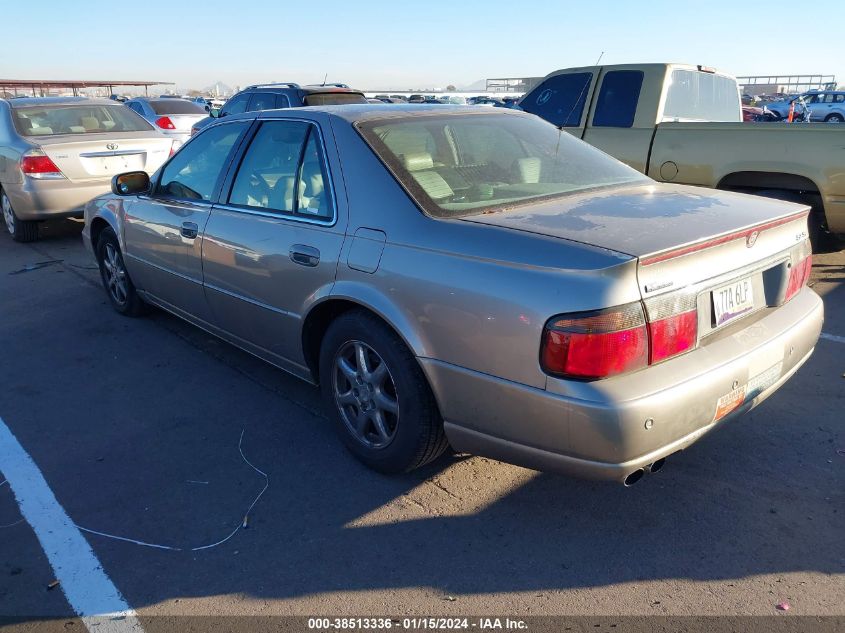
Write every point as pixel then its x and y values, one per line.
pixel 683 124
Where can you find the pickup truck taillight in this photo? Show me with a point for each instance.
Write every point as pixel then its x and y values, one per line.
pixel 799 275
pixel 592 345
pixel 36 164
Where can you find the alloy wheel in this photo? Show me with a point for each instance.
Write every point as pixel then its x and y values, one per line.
pixel 365 394
pixel 115 274
pixel 8 214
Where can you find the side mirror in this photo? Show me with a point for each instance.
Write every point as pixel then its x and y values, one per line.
pixel 215 113
pixel 131 183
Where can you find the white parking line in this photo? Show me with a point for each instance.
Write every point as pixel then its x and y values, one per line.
pixel 88 589
pixel 832 337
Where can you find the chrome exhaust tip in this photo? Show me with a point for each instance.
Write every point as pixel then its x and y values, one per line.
pixel 634 477
pixel 657 465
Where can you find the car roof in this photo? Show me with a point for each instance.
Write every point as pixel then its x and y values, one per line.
pixel 372 111
pixel 23 102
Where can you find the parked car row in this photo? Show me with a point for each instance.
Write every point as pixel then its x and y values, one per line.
pixel 56 154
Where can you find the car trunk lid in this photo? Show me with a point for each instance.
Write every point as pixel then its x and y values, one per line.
pixel 87 157
pixel 719 256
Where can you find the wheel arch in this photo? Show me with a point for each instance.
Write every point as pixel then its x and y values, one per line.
pixel 345 299
pixel 751 180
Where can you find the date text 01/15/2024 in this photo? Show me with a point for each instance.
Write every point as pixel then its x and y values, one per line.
pixel 416 624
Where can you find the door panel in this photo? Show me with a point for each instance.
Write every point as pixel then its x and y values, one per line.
pixel 161 259
pixel 630 145
pixel 163 232
pixel 273 247
pixel 260 280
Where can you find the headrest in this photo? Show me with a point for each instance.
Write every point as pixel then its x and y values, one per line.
pixel 417 161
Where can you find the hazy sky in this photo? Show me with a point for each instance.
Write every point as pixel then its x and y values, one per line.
pixel 425 43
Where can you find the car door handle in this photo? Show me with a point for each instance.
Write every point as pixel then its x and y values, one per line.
pixel 304 255
pixel 189 230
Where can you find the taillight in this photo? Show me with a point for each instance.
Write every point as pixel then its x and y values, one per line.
pixel 672 325
pixel 597 344
pixel 36 164
pixel 799 275
pixel 165 123
pixel 590 345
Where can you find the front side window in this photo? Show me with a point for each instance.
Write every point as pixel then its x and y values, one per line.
pixel 192 174
pixel 698 96
pixel 618 98
pixel 463 164
pixel 283 170
pixel 560 99
pixel 77 119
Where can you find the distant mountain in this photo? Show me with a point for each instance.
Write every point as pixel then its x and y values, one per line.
pixel 475 86
pixel 218 88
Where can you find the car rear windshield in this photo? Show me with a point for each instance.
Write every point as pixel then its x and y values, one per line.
pixel 334 98
pixel 699 96
pixel 176 106
pixel 465 163
pixel 77 119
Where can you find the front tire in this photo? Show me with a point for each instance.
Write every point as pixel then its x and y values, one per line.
pixel 20 230
pixel 834 118
pixel 382 405
pixel 119 287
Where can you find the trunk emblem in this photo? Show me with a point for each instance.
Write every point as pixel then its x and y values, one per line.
pixel 111 146
pixel 751 239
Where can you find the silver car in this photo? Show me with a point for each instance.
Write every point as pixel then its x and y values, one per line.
pixel 469 276
pixel 56 154
pixel 828 106
pixel 174 117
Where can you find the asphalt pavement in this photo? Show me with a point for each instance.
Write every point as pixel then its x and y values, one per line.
pixel 153 431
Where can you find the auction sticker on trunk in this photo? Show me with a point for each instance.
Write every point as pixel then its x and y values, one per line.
pixel 732 300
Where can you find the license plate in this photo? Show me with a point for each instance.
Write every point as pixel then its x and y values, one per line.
pixel 732 301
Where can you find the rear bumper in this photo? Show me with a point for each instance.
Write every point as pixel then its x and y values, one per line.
pixel 601 433
pixel 47 199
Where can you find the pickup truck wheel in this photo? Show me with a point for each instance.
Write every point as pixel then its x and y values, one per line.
pixel 382 405
pixel 834 118
pixel 20 230
pixel 116 281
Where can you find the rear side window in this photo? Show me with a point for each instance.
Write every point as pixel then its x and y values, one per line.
pixel 262 101
pixel 192 174
pixel 284 171
pixel 77 119
pixel 176 106
pixel 235 105
pixel 282 101
pixel 618 97
pixel 700 96
pixel 334 98
pixel 560 99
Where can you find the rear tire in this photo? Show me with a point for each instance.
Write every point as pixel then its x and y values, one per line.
pixel 834 118
pixel 20 230
pixel 119 287
pixel 382 405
